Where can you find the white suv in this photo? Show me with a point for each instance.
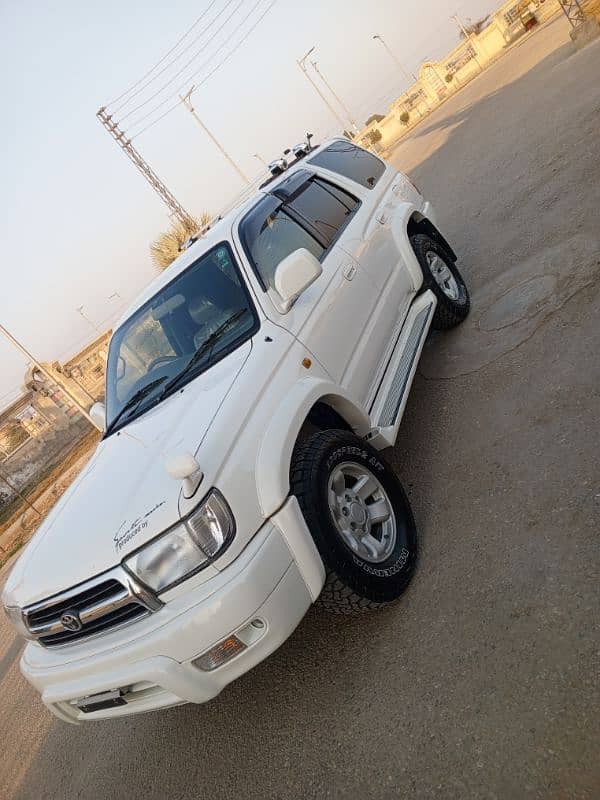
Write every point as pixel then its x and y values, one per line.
pixel 249 391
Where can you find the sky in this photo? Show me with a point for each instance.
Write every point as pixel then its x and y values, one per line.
pixel 77 218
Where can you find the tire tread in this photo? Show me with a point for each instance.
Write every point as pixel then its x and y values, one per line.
pixel 447 314
pixel 336 596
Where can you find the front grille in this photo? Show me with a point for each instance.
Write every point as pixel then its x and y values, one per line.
pixel 99 605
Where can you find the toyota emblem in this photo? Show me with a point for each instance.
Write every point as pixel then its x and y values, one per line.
pixel 71 621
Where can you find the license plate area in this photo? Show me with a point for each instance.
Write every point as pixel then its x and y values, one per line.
pixel 99 702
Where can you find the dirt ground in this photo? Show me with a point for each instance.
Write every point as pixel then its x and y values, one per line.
pixel 482 681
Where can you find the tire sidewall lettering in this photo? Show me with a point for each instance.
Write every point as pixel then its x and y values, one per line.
pixel 384 572
pixel 349 453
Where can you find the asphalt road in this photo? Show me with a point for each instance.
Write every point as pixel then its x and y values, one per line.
pixel 482 681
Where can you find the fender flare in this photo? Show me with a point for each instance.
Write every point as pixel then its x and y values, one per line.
pixel 272 467
pixel 399 226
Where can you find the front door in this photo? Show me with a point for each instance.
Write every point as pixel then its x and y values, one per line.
pixel 335 317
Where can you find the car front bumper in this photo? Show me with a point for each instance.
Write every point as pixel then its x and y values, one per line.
pixel 271 584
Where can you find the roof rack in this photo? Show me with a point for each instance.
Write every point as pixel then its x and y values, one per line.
pixel 280 165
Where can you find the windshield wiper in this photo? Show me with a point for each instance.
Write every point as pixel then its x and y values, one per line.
pixel 135 400
pixel 205 349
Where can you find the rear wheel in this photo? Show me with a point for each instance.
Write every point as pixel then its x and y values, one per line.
pixel 445 281
pixel 359 517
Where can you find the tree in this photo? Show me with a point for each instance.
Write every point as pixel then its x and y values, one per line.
pixel 165 249
pixel 405 117
pixel 475 28
pixel 374 136
pixel 374 118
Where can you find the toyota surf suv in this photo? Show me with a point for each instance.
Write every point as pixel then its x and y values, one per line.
pixel 250 390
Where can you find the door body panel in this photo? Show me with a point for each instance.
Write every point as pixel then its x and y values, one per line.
pixel 373 246
pixel 334 317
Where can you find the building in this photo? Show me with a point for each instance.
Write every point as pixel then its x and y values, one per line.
pixel 438 80
pixel 84 373
pixel 45 409
pixel 20 422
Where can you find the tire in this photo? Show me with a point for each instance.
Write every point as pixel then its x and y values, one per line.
pixel 451 310
pixel 382 562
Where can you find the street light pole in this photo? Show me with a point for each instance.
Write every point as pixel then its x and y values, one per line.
pixel 468 37
pixel 48 374
pixel 187 102
pixel 397 62
pixel 89 321
pixel 335 94
pixel 302 64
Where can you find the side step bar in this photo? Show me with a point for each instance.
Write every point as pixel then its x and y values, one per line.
pixel 390 402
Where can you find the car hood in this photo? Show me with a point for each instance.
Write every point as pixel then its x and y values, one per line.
pixel 124 497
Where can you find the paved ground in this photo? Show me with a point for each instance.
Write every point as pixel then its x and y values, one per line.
pixel 480 683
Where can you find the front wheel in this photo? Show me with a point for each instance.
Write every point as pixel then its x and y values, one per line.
pixel 359 517
pixel 444 279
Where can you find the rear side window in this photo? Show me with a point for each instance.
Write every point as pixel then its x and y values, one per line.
pixel 323 208
pixel 269 235
pixel 350 161
pixel 312 217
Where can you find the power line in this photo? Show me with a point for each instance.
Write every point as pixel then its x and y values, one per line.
pixel 206 78
pixel 187 64
pixel 166 55
pixel 142 166
pixel 177 57
pixel 125 142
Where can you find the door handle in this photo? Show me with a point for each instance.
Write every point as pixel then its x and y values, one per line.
pixel 349 271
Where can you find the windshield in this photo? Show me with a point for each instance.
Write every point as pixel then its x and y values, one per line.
pixel 194 321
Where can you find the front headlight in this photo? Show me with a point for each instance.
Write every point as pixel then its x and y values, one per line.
pixel 15 615
pixel 185 549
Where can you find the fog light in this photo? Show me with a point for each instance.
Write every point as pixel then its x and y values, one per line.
pixel 220 654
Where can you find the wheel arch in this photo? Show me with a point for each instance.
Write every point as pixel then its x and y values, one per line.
pixel 311 403
pixel 418 223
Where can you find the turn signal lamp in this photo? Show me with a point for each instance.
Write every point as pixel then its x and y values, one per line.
pixel 220 654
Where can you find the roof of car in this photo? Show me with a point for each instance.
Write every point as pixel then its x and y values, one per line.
pixel 220 231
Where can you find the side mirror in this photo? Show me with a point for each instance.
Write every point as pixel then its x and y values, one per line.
pixel 184 467
pixel 98 415
pixel 294 275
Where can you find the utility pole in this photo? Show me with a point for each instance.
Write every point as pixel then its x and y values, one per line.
pixel 187 102
pixel 142 166
pixel 335 94
pixel 396 60
pixel 573 12
pixel 302 64
pixel 48 374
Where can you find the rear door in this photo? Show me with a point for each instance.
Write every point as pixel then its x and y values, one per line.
pixel 371 243
pixel 334 317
